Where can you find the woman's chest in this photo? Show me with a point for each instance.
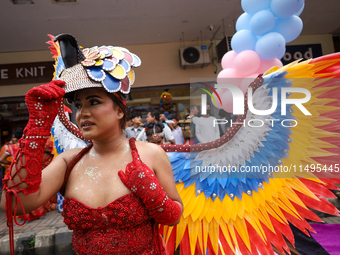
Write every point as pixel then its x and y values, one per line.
pixel 96 182
pixel 125 212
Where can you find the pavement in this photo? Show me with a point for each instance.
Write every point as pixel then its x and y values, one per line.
pixel 49 235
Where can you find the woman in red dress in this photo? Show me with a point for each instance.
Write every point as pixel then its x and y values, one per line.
pixel 116 190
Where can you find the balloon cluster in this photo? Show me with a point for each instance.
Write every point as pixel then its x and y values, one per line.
pixel 259 43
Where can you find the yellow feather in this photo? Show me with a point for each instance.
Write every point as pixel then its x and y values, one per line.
pixel 241 229
pixel 195 214
pixel 180 229
pixel 226 235
pixel 231 229
pixel 205 228
pixel 264 218
pixel 214 234
pixel 193 233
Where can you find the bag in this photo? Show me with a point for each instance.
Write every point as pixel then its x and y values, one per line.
pixel 188 128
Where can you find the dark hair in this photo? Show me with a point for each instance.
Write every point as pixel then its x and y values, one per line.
pixel 18 133
pixel 158 128
pixel 134 115
pixel 222 113
pixel 119 103
pixel 155 113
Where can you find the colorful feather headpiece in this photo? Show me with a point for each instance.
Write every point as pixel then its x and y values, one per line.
pixel 106 66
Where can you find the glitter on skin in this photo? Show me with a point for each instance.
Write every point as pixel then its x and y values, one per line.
pixel 127 149
pixel 92 173
pixel 92 153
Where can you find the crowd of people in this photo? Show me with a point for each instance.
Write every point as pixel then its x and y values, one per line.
pixel 163 128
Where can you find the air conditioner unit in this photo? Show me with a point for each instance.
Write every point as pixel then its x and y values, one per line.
pixel 194 56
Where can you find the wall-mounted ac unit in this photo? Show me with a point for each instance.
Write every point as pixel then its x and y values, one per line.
pixel 194 56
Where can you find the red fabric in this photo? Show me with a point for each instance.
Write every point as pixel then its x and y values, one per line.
pixel 141 180
pixel 122 227
pixel 42 103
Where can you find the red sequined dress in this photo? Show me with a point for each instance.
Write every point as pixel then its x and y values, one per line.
pixel 122 227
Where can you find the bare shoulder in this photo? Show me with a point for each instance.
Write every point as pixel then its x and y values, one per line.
pixel 151 154
pixel 69 155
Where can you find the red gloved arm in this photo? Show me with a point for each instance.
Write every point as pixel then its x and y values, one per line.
pixel 141 180
pixel 25 171
pixel 24 174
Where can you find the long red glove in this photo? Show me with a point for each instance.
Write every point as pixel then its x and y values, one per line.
pixel 141 180
pixel 24 174
pixel 42 103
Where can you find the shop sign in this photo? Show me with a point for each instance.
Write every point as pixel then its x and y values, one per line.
pixel 38 72
pixel 306 51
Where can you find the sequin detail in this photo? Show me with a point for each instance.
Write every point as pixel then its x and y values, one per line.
pixel 121 227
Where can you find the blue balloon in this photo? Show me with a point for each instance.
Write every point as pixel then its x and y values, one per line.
pixel 301 10
pixel 271 45
pixel 285 8
pixel 289 28
pixel 243 21
pixel 253 6
pixel 262 22
pixel 282 53
pixel 243 40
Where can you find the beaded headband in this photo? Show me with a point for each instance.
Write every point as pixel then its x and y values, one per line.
pixel 105 67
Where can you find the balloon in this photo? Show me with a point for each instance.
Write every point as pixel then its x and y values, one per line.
pixel 300 11
pixel 283 51
pixel 271 45
pixel 247 62
pixel 253 6
pixel 219 92
pixel 266 64
pixel 262 22
pixel 227 60
pixel 243 40
pixel 290 27
pixel 246 82
pixel 227 74
pixel 285 8
pixel 243 21
pixel 227 101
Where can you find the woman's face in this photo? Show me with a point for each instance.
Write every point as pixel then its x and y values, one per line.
pixel 97 117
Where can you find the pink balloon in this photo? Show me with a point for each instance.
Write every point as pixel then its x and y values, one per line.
pixel 227 60
pixel 227 73
pixel 220 93
pixel 247 62
pixel 253 76
pixel 266 64
pixel 227 101
pixel 246 82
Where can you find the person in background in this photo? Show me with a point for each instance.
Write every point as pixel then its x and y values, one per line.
pixel 164 119
pixel 177 132
pixel 223 126
pixel 135 130
pixel 129 122
pixel 193 112
pixel 154 116
pixel 9 150
pixel 206 131
pixel 154 132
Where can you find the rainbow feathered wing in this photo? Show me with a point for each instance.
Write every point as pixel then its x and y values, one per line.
pixel 230 212
pixel 249 212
